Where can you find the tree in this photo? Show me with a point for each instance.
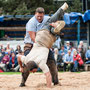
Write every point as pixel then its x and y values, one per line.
pixel 75 6
pixel 25 7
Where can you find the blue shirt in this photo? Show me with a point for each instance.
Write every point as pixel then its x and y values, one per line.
pixel 87 54
pixel 34 25
pixel 63 51
pixel 68 58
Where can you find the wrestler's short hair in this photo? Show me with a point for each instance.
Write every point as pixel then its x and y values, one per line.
pixel 40 10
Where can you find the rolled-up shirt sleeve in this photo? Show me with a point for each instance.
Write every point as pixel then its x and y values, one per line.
pixel 30 26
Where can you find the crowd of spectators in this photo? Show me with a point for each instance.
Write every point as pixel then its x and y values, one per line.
pixel 68 57
pixel 8 58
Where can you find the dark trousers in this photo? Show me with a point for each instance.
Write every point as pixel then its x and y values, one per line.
pixel 68 67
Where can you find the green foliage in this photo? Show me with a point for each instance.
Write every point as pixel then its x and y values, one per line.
pixel 75 6
pixel 25 7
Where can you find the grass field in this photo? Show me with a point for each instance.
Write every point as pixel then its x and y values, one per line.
pixel 11 73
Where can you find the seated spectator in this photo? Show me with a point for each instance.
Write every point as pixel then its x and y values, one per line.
pixel 6 37
pixel 68 61
pixel 16 69
pixel 1 47
pixel 67 46
pixel 87 54
pixel 8 49
pixel 77 61
pixel 60 58
pixel 18 49
pixel 1 56
pixel 5 62
pixel 13 61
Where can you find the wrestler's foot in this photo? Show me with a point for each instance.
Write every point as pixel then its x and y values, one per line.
pixel 22 85
pixel 64 6
pixel 59 27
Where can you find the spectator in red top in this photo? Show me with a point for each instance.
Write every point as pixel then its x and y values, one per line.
pixel 77 60
pixel 5 62
pixel 13 61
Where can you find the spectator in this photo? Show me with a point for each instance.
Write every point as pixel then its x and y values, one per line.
pixel 6 37
pixel 17 67
pixel 13 61
pixel 72 50
pixel 82 46
pixel 87 54
pixel 57 43
pixel 68 61
pixel 67 46
pixel 77 61
pixel 81 53
pixel 18 49
pixel 1 56
pixel 8 49
pixel 61 55
pixel 1 47
pixel 62 52
pixel 5 62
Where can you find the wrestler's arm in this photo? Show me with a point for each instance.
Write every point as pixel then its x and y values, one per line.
pixel 32 35
pixel 20 63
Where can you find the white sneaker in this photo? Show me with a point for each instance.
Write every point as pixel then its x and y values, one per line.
pixel 64 6
pixel 59 27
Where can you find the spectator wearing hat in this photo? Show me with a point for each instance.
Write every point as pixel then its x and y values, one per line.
pixel 68 61
pixel 5 62
pixel 67 46
pixel 87 55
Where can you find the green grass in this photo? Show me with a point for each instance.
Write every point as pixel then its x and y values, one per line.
pixel 12 73
pixel 9 73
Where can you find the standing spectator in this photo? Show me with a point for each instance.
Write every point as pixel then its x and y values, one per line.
pixel 82 46
pixel 5 62
pixel 18 49
pixel 77 61
pixel 68 61
pixel 57 43
pixel 81 53
pixel 13 61
pixel 87 54
pixel 67 46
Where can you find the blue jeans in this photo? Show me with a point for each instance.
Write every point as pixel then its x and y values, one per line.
pixel 75 66
pixel 87 62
